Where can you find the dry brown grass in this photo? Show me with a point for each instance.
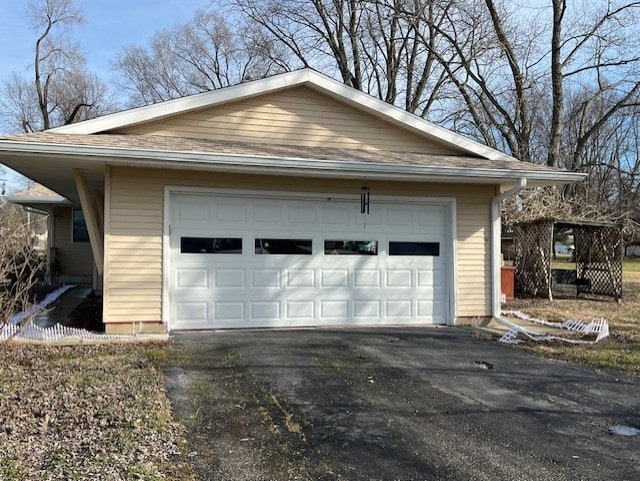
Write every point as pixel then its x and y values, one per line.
pixel 87 412
pixel 621 351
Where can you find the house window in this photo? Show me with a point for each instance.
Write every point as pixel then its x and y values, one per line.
pixel 414 248
pixel 284 246
pixel 79 232
pixel 210 245
pixel 351 248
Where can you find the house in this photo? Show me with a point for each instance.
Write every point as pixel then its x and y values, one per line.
pixel 69 258
pixel 288 201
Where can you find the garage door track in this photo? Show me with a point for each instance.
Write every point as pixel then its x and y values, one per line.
pixel 396 404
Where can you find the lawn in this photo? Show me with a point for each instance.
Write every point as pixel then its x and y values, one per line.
pixel 621 350
pixel 87 412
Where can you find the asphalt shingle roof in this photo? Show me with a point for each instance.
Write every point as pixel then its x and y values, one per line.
pixel 168 144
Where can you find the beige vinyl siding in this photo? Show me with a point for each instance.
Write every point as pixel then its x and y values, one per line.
pixel 299 116
pixel 75 258
pixel 134 236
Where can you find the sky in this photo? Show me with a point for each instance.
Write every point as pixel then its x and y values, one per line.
pixel 109 26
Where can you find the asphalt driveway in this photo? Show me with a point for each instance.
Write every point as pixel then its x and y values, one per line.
pixel 396 404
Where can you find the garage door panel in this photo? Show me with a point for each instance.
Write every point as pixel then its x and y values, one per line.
pixel 288 279
pixel 332 310
pixel 429 309
pixel 426 277
pixel 300 278
pixel 397 217
pixel 265 310
pixel 333 217
pixel 230 212
pixel 367 278
pixel 399 277
pixel 399 309
pixel 196 312
pixel 229 311
pixel 266 214
pixel 229 278
pixel 334 278
pixel 300 310
pixel 265 278
pixel 192 278
pixel 369 309
pixel 194 211
pixel 434 220
pixel 301 215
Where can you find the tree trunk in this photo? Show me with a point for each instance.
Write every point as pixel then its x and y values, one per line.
pixel 557 116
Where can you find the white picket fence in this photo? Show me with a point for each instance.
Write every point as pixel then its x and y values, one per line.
pixel 54 333
pixel 599 327
pixel 19 327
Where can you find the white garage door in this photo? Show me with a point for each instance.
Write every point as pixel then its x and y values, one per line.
pixel 238 261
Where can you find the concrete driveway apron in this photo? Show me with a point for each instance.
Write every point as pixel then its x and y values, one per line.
pixel 396 404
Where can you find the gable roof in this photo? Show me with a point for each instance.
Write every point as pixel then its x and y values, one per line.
pixel 38 194
pixel 50 157
pixel 305 77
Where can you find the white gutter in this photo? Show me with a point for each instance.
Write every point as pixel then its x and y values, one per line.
pixel 243 163
pixel 34 210
pixel 496 235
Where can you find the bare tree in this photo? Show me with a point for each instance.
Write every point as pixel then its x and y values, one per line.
pixel 19 264
pixel 386 48
pixel 203 54
pixel 599 50
pixel 61 90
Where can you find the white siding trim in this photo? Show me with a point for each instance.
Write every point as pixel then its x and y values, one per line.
pixel 452 236
pixel 107 243
pixel 166 254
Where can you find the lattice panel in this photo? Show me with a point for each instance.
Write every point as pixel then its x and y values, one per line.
pixel 599 259
pixel 533 242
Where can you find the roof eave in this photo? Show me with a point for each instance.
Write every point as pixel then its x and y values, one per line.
pixel 285 166
pixel 28 200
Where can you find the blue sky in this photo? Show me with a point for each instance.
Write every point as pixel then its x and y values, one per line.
pixel 109 26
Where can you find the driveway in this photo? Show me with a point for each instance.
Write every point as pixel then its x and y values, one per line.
pixel 396 404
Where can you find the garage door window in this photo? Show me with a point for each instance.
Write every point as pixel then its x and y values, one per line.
pixel 210 245
pixel 351 248
pixel 414 248
pixel 284 246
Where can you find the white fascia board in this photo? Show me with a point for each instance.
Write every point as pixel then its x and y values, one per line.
pixel 149 113
pixel 305 77
pixel 25 199
pixel 281 165
pixel 36 200
pixel 400 117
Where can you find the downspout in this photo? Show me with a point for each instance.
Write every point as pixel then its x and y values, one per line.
pixel 496 235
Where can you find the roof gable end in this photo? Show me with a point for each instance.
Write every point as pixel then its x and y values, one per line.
pixel 305 77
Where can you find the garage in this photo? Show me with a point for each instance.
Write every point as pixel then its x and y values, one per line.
pixel 248 260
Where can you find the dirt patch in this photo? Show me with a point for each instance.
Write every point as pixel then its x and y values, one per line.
pixel 88 315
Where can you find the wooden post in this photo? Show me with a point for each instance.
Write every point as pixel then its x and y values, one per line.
pixel 95 238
